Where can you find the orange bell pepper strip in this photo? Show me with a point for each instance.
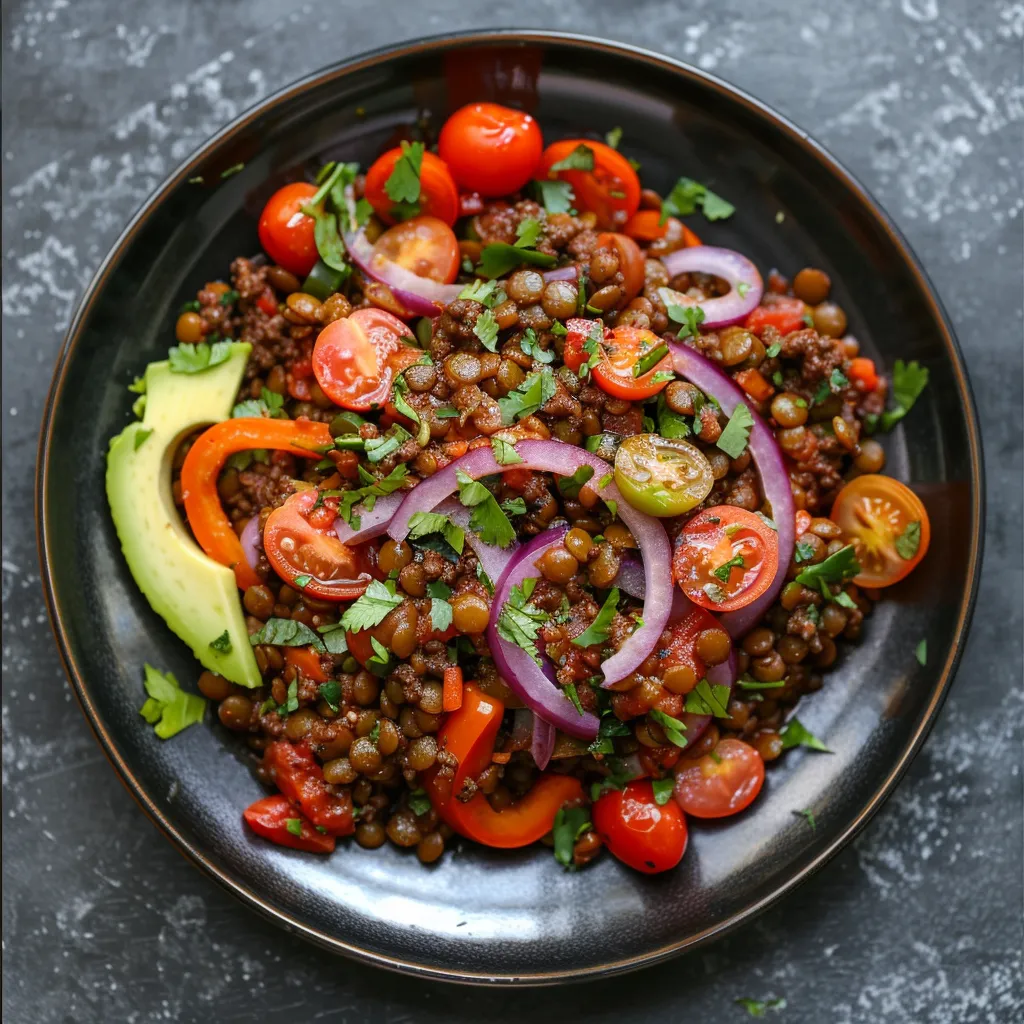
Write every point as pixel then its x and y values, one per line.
pixel 452 689
pixel 755 385
pixel 307 661
pixel 646 226
pixel 469 734
pixel 210 525
pixel 862 371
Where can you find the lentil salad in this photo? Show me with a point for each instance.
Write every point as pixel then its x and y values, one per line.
pixel 644 457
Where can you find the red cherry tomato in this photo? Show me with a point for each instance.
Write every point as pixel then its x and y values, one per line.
pixel 424 245
pixel 620 350
pixel 631 262
pixel 721 783
pixel 490 149
pixel 305 552
pixel 641 834
pixel 438 195
pixel 783 312
pixel 611 190
pixel 355 359
pixel 270 818
pixel 286 233
pixel 728 553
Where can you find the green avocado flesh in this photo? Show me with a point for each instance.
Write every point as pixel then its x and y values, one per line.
pixel 196 596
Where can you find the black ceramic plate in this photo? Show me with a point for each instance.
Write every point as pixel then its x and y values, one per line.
pixel 481 915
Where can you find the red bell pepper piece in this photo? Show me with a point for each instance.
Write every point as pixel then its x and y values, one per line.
pixel 274 819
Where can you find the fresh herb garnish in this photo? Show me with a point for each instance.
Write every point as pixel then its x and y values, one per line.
pixel 403 184
pixel 908 381
pixel 196 358
pixel 531 346
pixel 486 330
pixel 222 643
pixel 487 293
pixel 554 196
pixel 675 731
pixel 809 816
pixel 379 448
pixel 687 195
pixel 580 159
pixel 520 620
pixel 169 708
pixel 663 789
pixel 528 232
pixel 758 1007
pixel 269 405
pixel 488 521
pixel 804 551
pixel 843 565
pixel 570 824
pixel 571 692
pixel 418 801
pixel 921 653
pixel 380 662
pixel 613 137
pixel 287 633
pixel 529 397
pixel 498 258
pixel 773 350
pixel 733 439
pixel 330 694
pixel 421 524
pixel 597 632
pixel 908 542
pixel 368 494
pixel 795 734
pixel 670 424
pixel 514 506
pixel 505 453
pixel 441 615
pixel 691 317
pixel 722 571
pixel 294 826
pixel 705 699
pixel 569 486
pixel 372 608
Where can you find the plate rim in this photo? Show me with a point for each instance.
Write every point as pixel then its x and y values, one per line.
pixel 440 43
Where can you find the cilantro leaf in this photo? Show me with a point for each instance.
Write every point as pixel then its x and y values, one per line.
pixel 691 317
pixel 378 664
pixel 908 542
pixel 722 571
pixel 795 734
pixel 921 653
pixel 403 184
pixel 287 633
pixel 421 524
pixel 269 405
pixel 505 453
pixel 804 551
pixel 498 258
pixel 580 159
pixel 222 643
pixel 368 494
pixel 379 448
pixel 570 486
pixel 613 137
pixel 485 292
pixel 520 621
pixel 733 439
pixel 670 424
pixel 528 397
pixel 758 1007
pixel 418 801
pixel 687 195
pixel 843 565
pixel 486 329
pixel 675 731
pixel 554 196
pixel 169 708
pixel 441 615
pixel 398 392
pixel 487 520
pixel 293 825
pixel 705 699
pixel 330 694
pixel 714 207
pixel 570 824
pixel 908 381
pixel 196 358
pixel 597 632
pixel 528 231
pixel 371 609
pixel 663 789
pixel 809 816
pixel 573 694
pixel 514 506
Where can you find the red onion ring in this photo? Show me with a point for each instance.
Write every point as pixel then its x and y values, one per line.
pixel 566 459
pixel 535 684
pixel 250 541
pixel 770 464
pixel 371 524
pixel 420 296
pixel 542 745
pixel 732 267
pixel 631 577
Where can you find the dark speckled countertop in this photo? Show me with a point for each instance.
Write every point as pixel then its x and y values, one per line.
pixel 921 919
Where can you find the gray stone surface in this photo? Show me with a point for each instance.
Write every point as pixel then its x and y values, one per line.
pixel 920 920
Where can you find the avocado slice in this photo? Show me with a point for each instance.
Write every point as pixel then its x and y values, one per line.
pixel 196 596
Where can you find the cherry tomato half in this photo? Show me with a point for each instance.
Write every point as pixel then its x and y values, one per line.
pixel 783 312
pixel 355 359
pixel 621 349
pixel 300 542
pixel 424 245
pixel 721 783
pixel 661 476
pixel 438 195
pixel 611 190
pixel 887 525
pixel 631 262
pixel 641 834
pixel 286 233
pixel 725 552
pixel 490 149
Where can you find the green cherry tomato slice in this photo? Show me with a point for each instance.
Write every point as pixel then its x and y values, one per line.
pixel 662 477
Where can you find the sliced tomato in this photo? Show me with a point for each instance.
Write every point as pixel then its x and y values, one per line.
pixel 721 783
pixel 294 771
pixel 646 226
pixel 425 245
pixel 783 312
pixel 887 525
pixel 275 819
pixel 286 233
pixel 611 190
pixel 725 558
pixel 490 149
pixel 631 262
pixel 439 196
pixel 620 350
pixel 662 476
pixel 639 832
pixel 267 301
pixel 305 552
pixel 355 359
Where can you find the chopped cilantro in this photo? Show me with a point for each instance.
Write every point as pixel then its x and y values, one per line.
pixel 671 424
pixel 379 663
pixel 528 397
pixel 921 653
pixel 528 231
pixel 520 620
pixel 422 524
pixel 441 615
pixel 487 520
pixel 597 632
pixel 687 195
pixel 531 347
pixel 570 823
pixel 613 137
pixel 291 700
pixel 554 196
pixel 773 350
pixel 705 699
pixel 843 565
pixel 379 448
pixel 403 184
pixel 169 708
pixel 505 453
pixel 569 486
pixel 733 439
pixel 675 731
pixel 371 609
pixel 196 358
pixel 804 551
pixel 294 826
pixel 287 633
pixel 368 494
pixel 795 734
pixel 418 801
pixel 486 329
pixel 571 692
pixel 330 694
pixel 498 258
pixel 722 571
pixel 663 789
pixel 758 1007
pixel 908 542
pixel 580 159
pixel 222 643
pixel 908 381
pixel 691 317
pixel 485 292
pixel 809 817
pixel 229 298
pixel 514 506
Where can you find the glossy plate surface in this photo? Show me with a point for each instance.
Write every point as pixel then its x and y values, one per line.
pixel 479 915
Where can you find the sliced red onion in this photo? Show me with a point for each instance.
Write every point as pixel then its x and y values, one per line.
pixel 371 524
pixel 250 541
pixel 631 577
pixel 493 560
pixel 420 296
pixel 732 267
pixel 570 272
pixel 770 464
pixel 535 684
pixel 543 743
pixel 566 459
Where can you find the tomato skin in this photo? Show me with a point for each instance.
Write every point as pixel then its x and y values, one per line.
pixel 873 511
pixel 621 348
pixel 637 831
pixel 355 359
pixel 424 245
pixel 631 262
pixel 612 173
pixel 286 233
pixel 710 788
pixel 268 818
pixel 267 302
pixel 469 734
pixel 662 476
pixel 438 195
pixel 784 313
pixel 703 545
pixel 295 772
pixel 296 524
pixel 490 149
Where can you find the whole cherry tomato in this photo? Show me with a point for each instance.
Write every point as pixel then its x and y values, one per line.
pixel 642 834
pixel 286 233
